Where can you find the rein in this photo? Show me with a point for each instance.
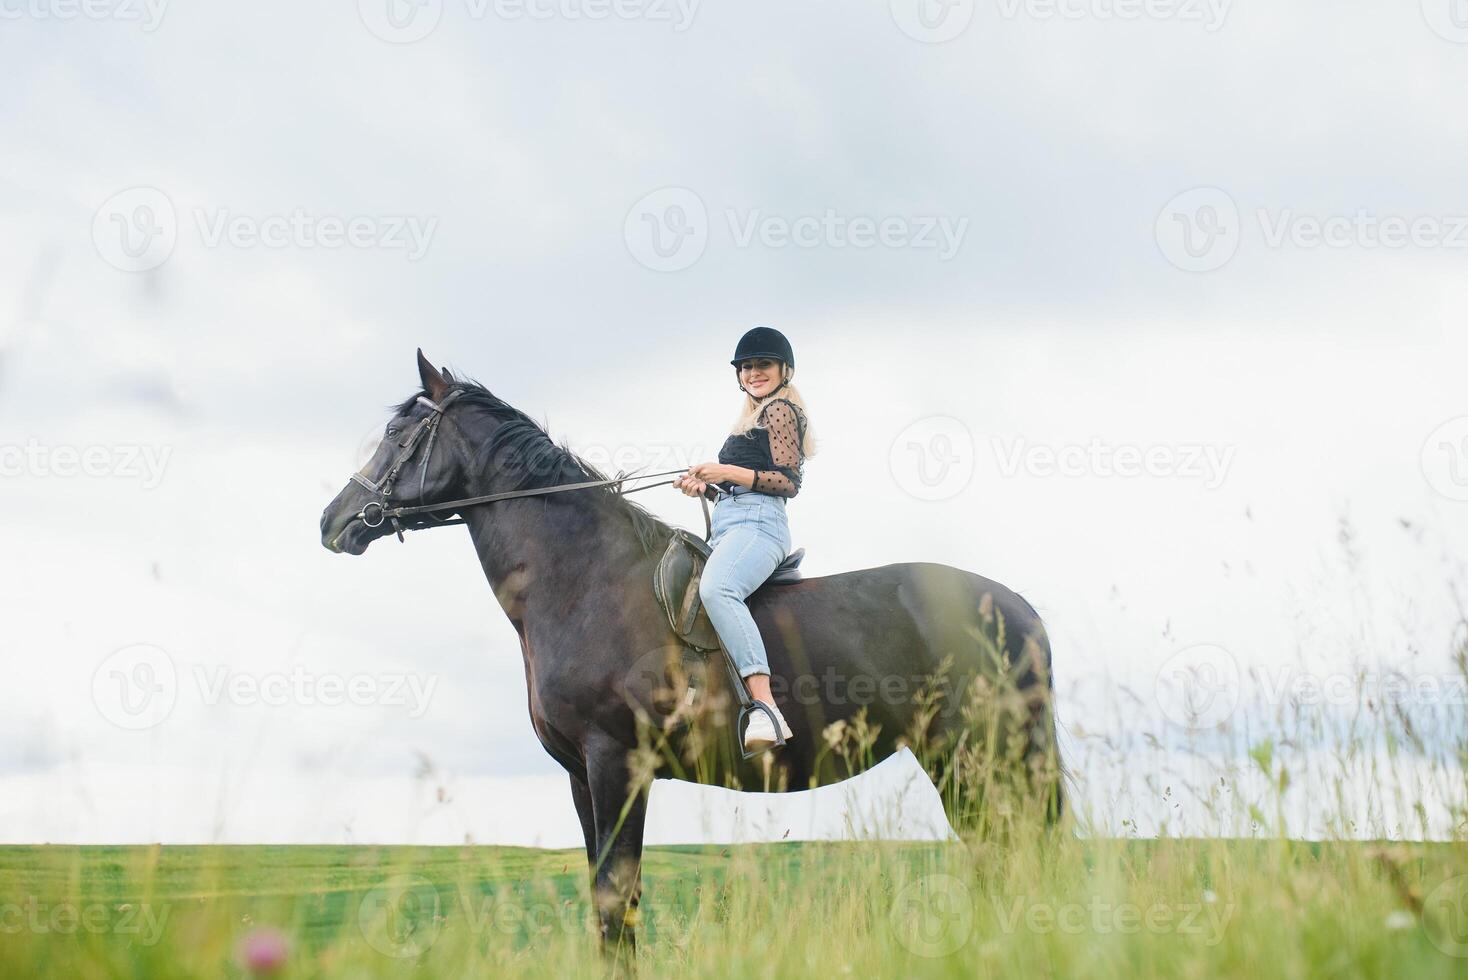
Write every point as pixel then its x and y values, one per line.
pixel 428 427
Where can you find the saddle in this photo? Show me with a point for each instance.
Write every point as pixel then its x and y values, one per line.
pixel 675 582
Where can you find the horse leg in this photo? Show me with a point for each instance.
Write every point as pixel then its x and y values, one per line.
pixel 581 796
pixel 585 811
pixel 619 814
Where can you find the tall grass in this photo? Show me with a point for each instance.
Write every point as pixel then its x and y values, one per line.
pixel 1226 883
pixel 1062 906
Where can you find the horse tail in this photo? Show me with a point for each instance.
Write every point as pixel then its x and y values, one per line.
pixel 1042 753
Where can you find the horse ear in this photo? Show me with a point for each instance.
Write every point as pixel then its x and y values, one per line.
pixel 433 382
pixel 447 376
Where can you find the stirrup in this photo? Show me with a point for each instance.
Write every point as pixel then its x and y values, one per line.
pixel 757 705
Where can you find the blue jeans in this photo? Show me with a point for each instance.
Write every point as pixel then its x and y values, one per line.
pixel 750 537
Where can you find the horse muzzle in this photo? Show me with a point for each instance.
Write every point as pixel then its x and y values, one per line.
pixel 346 531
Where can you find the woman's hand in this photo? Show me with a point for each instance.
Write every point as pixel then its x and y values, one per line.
pixel 696 480
pixel 690 485
pixel 710 472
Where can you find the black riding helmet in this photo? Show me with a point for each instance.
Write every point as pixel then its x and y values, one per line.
pixel 763 342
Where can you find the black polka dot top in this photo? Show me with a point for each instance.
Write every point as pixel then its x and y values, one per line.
pixel 772 449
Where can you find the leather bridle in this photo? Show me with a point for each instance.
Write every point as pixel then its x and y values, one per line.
pixel 426 432
pixel 427 428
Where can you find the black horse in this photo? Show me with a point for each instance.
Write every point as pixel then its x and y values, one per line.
pixel 949 664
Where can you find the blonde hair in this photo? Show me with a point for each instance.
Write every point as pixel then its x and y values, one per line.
pixel 751 407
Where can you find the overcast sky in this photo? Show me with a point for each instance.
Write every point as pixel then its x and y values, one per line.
pixel 1153 312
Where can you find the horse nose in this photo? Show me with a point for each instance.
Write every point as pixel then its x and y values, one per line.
pixel 329 531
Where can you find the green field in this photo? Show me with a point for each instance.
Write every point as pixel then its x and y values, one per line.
pixel 1057 905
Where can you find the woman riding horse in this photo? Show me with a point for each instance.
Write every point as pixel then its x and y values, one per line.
pixel 760 466
pixel 910 655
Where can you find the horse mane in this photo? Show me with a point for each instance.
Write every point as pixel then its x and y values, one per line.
pixel 542 463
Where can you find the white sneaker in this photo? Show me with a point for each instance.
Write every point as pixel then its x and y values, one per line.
pixel 761 733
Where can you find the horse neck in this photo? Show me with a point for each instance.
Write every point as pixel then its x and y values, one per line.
pixel 541 553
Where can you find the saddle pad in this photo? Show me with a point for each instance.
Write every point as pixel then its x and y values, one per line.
pixel 675 583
